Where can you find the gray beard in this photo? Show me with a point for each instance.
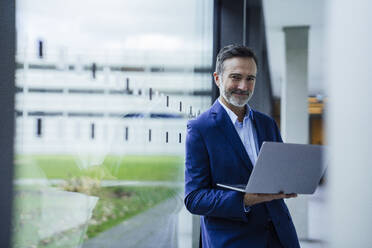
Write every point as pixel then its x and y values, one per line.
pixel 232 100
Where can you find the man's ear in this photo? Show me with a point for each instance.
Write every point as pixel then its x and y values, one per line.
pixel 216 79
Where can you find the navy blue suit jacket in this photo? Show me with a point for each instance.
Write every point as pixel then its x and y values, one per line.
pixel 215 154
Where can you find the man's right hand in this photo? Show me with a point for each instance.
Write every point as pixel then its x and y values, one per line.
pixel 252 199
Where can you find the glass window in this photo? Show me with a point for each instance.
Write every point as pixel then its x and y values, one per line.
pixel 104 91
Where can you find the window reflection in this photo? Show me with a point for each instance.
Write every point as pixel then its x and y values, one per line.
pixel 101 109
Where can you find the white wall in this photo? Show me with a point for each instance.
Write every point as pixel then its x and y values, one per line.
pixel 349 75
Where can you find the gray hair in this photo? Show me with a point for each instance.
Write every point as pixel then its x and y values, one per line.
pixel 232 51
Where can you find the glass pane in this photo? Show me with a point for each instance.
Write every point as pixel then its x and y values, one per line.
pixel 104 91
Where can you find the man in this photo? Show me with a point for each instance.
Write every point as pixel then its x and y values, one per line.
pixel 221 147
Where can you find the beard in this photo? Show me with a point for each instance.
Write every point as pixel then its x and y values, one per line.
pixel 234 100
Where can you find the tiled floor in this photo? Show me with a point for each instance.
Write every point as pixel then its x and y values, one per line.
pixel 317 220
pixel 307 244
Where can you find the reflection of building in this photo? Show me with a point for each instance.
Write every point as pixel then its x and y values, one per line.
pixel 64 109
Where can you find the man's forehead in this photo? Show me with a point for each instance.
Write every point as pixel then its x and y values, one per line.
pixel 240 65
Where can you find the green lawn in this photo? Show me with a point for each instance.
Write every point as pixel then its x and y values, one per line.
pixel 124 203
pixel 143 168
pixel 115 205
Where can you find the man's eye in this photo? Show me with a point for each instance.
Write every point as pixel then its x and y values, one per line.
pixel 251 78
pixel 235 77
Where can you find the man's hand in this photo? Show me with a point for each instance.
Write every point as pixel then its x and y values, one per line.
pixel 252 199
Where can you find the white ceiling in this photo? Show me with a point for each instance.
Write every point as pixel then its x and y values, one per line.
pixel 284 13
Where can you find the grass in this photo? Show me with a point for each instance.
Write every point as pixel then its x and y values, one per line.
pixel 115 205
pixel 142 168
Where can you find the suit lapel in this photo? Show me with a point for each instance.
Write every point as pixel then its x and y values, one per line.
pixel 224 124
pixel 260 132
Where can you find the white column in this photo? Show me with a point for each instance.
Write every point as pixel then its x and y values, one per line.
pixel 294 106
pixel 294 110
pixel 185 229
pixel 195 231
pixel 349 74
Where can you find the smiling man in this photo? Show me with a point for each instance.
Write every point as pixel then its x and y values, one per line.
pixel 221 147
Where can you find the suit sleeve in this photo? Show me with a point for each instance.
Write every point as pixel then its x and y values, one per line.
pixel 200 197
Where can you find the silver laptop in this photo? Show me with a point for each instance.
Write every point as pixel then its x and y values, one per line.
pixel 284 167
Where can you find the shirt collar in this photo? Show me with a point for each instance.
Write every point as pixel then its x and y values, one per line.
pixel 233 116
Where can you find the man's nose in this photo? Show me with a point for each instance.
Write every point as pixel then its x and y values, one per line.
pixel 244 85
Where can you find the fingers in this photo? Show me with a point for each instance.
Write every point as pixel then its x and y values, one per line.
pixel 291 195
pixel 270 197
pixel 288 195
pixel 251 199
pixel 278 196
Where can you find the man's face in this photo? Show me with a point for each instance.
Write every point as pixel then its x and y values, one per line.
pixel 237 81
